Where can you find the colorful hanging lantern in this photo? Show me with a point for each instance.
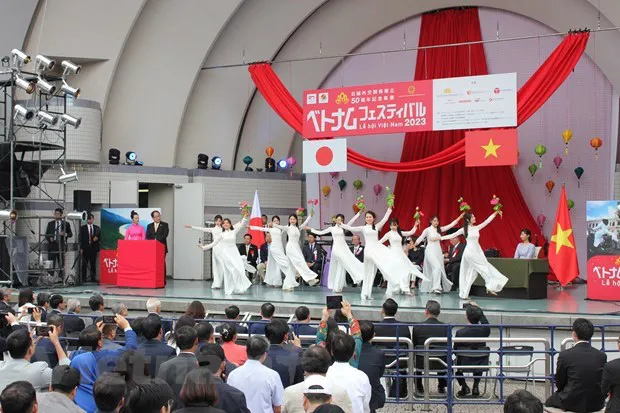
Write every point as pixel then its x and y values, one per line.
pixel 570 204
pixel 541 218
pixel 377 189
pixel 291 161
pixel 342 184
pixel 540 150
pixel 334 174
pixel 358 184
pixel 567 135
pixel 269 151
pixel 326 190
pixel 596 143
pixel 557 161
pixel 532 168
pixel 550 185
pixel 578 172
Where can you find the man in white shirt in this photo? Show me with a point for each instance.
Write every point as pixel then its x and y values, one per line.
pixel 315 362
pixel 356 382
pixel 261 386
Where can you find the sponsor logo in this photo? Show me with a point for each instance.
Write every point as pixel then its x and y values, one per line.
pixel 342 98
pixel 411 90
pixel 323 97
pixel 311 99
pixel 496 90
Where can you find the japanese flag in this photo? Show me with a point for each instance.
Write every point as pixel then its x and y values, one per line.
pixel 326 155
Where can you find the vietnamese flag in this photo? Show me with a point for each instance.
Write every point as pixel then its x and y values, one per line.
pixel 258 237
pixel 493 147
pixel 562 252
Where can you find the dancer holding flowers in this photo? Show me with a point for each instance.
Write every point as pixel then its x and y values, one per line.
pixel 293 250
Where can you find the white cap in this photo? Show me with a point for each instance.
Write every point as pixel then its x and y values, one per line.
pixel 316 384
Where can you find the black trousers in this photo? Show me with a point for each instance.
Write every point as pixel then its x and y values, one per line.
pixel 58 259
pixel 452 271
pixel 461 380
pixel 89 259
pixel 554 401
pixel 441 382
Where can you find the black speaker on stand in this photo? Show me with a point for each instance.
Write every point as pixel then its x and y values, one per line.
pixel 81 201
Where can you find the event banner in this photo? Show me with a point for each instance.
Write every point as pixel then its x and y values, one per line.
pixel 603 225
pixel 472 102
pixel 114 223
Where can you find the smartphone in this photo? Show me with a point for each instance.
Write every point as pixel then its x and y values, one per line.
pixel 334 302
pixel 43 331
pixel 30 310
pixel 108 319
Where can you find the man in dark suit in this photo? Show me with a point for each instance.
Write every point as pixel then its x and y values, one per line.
pixel 174 370
pixel 249 250
pixel 313 254
pixel 372 362
pixel 579 373
pixel 211 356
pixel 152 348
pixel 453 260
pixel 264 258
pixel 89 248
pixel 266 313
pixel 5 298
pixel 302 314
pixel 282 357
pixel 56 236
pixel 232 315
pixel 611 384
pixel 158 230
pixel 431 327
pixel 358 250
pixel 478 328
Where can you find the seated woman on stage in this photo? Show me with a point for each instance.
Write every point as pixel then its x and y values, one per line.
pixel 135 231
pixel 525 250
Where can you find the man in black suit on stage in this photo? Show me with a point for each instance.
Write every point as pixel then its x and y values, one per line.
pixel 358 250
pixel 249 250
pixel 158 230
pixel 89 248
pixel 478 328
pixel 313 254
pixel 453 260
pixel 579 372
pixel 56 235
pixel 432 328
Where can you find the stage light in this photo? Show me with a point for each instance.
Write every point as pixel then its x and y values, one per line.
pixel 130 157
pixel 45 117
pixel 66 119
pixel 6 215
pixel 23 114
pixel 70 67
pixel 114 156
pixel 69 90
pixel 65 178
pixel 282 165
pixel 46 86
pixel 203 161
pixel 216 163
pixel 78 216
pixel 27 85
pixel 44 63
pixel 6 61
pixel 21 57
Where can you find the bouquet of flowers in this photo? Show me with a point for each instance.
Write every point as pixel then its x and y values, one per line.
pixel 312 203
pixel 300 212
pixel 360 203
pixel 463 206
pixel 418 214
pixel 389 198
pixel 497 207
pixel 245 208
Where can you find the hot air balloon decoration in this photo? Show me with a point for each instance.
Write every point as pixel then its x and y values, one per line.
pixel 557 161
pixel 567 135
pixel 291 161
pixel 578 172
pixel 377 189
pixel 342 184
pixel 541 218
pixel 550 185
pixel 540 150
pixel 596 143
pixel 358 184
pixel 570 203
pixel 269 151
pixel 334 175
pixel 532 168
pixel 247 160
pixel 326 190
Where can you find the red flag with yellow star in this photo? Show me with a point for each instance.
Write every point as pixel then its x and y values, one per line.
pixel 493 147
pixel 562 252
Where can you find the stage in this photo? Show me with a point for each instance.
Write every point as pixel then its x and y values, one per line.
pixel 559 308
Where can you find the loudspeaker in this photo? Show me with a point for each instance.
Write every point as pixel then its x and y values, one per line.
pixel 81 200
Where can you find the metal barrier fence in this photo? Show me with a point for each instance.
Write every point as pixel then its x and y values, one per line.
pixel 434 359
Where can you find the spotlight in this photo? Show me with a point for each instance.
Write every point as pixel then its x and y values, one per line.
pixel 6 61
pixel 216 163
pixel 203 161
pixel 130 158
pixel 114 156
pixel 270 165
pixel 21 57
pixel 70 67
pixel 78 216
pixel 46 86
pixel 69 90
pixel 44 63
pixel 8 215
pixel 45 117
pixel 282 165
pixel 22 113
pixel 65 178
pixel 66 119
pixel 24 84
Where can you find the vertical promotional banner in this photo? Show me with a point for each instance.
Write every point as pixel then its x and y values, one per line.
pixel 114 223
pixel 603 226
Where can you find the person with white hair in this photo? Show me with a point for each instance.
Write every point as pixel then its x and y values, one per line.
pixel 153 305
pixel 119 308
pixel 72 322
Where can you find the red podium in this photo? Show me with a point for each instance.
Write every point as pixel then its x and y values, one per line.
pixel 141 264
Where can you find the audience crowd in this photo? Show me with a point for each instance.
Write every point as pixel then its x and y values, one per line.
pixel 56 358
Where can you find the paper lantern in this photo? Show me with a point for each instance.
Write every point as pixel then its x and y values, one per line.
pixel 541 218
pixel 567 135
pixel 578 172
pixel 291 161
pixel 269 151
pixel 377 189
pixel 358 184
pixel 550 185
pixel 557 161
pixel 333 174
pixel 532 168
pixel 540 150
pixel 248 160
pixel 596 143
pixel 342 184
pixel 570 203
pixel 326 190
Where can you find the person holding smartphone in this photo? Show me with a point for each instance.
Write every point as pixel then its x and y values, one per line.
pixel 354 328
